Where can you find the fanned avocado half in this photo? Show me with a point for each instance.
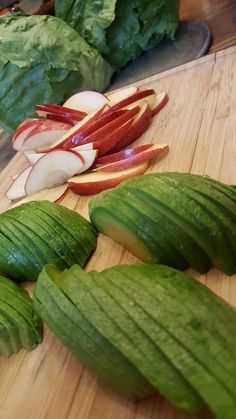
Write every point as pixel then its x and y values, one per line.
pixel 176 219
pixel 37 233
pixel 146 327
pixel 20 326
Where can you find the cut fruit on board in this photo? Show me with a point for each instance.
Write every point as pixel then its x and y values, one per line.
pixel 159 103
pixel 136 99
pixel 140 124
pixel 89 157
pixel 53 169
pixel 22 132
pixel 17 188
pixel 61 111
pixel 120 95
pixel 107 143
pixel 87 101
pixel 53 195
pixel 85 123
pixel 131 160
pixel 129 152
pixel 108 129
pixel 104 119
pixel 95 182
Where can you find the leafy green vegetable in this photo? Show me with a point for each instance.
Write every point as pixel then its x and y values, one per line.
pixel 43 60
pixel 120 29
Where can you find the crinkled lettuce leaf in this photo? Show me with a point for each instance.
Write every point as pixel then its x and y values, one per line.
pixel 121 29
pixel 43 60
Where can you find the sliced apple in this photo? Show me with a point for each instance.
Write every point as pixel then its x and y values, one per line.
pixel 95 182
pixel 159 103
pixel 136 99
pixel 82 125
pixel 52 195
pixel 103 120
pixel 118 96
pixel 17 188
pixel 64 119
pixel 126 163
pixel 110 140
pixel 23 131
pixel 89 157
pixel 53 169
pixel 87 101
pixel 59 111
pixel 44 134
pixel 140 124
pixel 108 129
pixel 121 155
pixel 88 146
pixel 32 156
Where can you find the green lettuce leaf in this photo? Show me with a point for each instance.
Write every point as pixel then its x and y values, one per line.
pixel 121 29
pixel 43 60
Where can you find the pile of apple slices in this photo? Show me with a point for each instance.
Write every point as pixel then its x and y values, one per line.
pixel 87 134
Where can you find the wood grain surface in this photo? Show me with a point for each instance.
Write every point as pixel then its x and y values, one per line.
pixel 199 125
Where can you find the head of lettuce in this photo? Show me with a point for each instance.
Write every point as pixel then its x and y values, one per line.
pixel 43 60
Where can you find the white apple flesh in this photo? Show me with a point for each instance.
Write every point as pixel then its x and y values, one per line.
pixel 87 101
pixel 118 96
pixel 95 182
pixel 23 131
pixel 51 195
pixel 44 134
pixel 53 169
pixel 89 157
pixel 17 188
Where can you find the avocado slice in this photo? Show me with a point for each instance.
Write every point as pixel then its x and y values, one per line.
pixel 133 344
pixel 83 339
pixel 202 368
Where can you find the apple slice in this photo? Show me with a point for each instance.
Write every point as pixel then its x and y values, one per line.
pixel 109 141
pixel 136 99
pixel 103 120
pixel 32 156
pixel 95 182
pixel 52 195
pixel 125 154
pixel 159 103
pixel 17 188
pixel 23 131
pixel 44 134
pixel 65 119
pixel 87 101
pixel 140 124
pixel 53 169
pixel 82 125
pixel 126 163
pixel 118 96
pixel 106 130
pixel 60 111
pixel 88 146
pixel 89 157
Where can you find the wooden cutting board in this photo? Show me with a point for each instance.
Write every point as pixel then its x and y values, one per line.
pixel 199 124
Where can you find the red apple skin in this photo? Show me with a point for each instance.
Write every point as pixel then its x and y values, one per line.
pixel 133 160
pixel 105 144
pixel 59 118
pixel 129 152
pixel 60 110
pixel 104 119
pixel 96 186
pixel 135 131
pixel 80 129
pixel 110 128
pixel 25 125
pixel 131 99
pixel 160 105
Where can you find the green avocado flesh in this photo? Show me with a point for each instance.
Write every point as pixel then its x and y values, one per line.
pixel 176 219
pixel 20 326
pixel 37 233
pixel 146 327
